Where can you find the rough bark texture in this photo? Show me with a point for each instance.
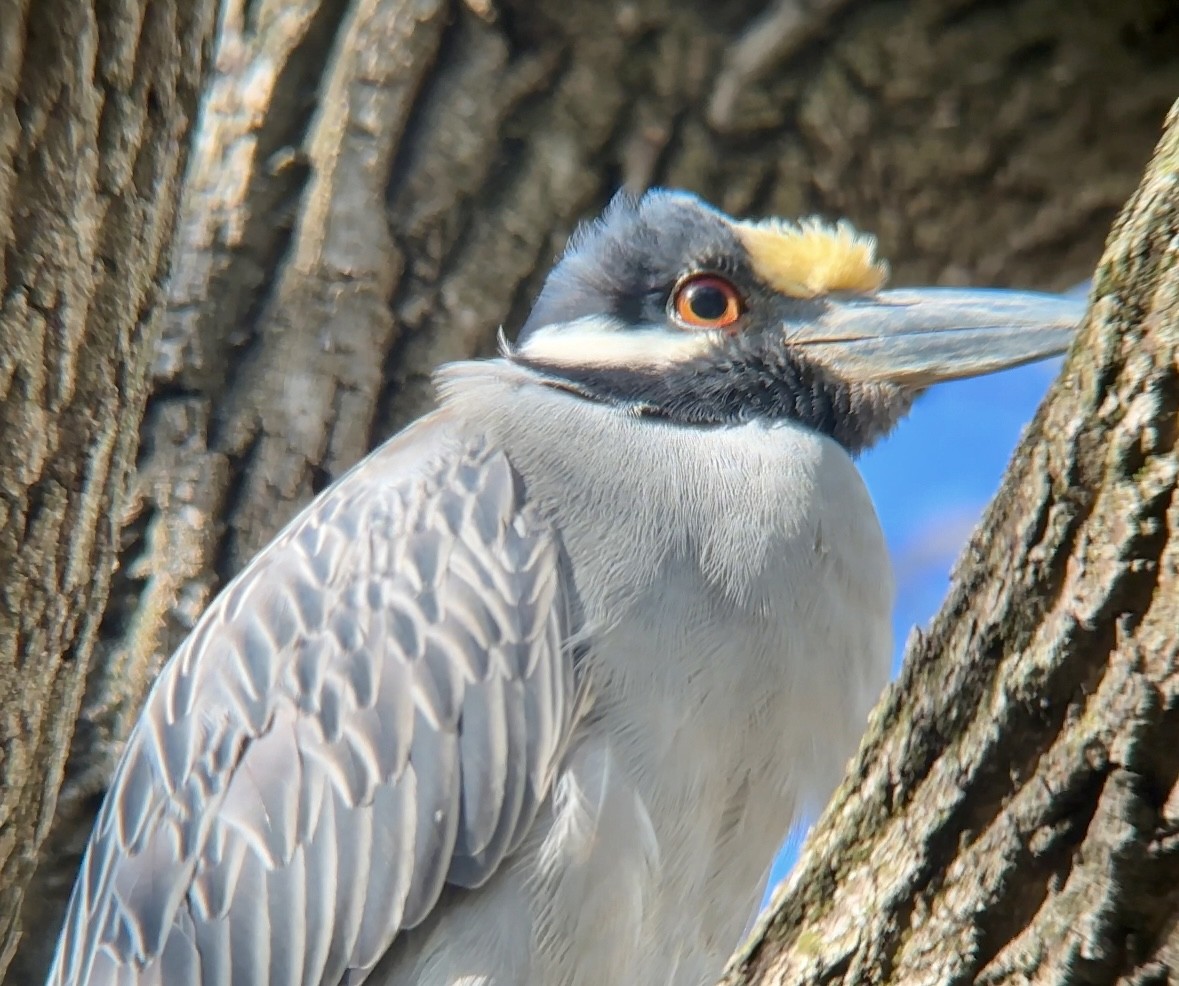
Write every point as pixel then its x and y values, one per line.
pixel 377 185
pixel 97 101
pixel 1014 813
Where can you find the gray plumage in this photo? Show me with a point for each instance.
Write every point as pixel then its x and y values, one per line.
pixel 528 698
pixel 301 786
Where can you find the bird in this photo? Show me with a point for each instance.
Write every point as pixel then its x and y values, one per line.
pixel 531 695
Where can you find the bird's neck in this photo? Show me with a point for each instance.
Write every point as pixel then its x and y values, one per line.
pixel 740 383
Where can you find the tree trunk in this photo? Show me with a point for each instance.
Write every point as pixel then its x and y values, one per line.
pixel 96 104
pixel 377 185
pixel 1013 815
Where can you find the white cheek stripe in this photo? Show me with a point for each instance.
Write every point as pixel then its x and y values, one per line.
pixel 597 341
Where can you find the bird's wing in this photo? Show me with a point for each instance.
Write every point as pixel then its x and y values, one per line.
pixel 372 709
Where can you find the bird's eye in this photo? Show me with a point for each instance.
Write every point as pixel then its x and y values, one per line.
pixel 706 301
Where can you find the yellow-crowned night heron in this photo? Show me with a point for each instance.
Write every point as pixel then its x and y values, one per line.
pixel 530 696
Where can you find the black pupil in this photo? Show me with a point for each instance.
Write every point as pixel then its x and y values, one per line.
pixel 707 301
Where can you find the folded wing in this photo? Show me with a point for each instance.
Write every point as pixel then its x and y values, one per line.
pixel 372 709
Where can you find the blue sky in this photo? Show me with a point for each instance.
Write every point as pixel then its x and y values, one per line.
pixel 930 481
pixel 932 478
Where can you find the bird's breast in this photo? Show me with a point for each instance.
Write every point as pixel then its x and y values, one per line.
pixel 733 592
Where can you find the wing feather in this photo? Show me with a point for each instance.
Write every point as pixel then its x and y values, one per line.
pixel 371 709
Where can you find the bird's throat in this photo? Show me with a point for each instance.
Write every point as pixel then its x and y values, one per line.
pixel 743 382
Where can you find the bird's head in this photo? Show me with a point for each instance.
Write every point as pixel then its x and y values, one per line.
pixel 670 308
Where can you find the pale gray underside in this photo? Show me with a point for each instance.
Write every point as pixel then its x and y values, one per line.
pixel 371 710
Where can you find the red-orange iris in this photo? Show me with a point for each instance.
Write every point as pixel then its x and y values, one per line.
pixel 706 301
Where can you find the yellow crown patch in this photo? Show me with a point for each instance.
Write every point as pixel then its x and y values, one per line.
pixel 808 258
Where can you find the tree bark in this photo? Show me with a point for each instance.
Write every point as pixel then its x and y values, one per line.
pixel 96 104
pixel 377 185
